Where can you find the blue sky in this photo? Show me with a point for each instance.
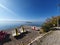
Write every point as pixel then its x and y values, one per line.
pixel 27 10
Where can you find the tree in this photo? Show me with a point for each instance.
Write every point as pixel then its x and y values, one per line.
pixel 50 22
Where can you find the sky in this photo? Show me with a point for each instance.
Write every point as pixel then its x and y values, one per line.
pixel 28 10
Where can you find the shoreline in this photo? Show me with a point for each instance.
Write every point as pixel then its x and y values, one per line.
pixel 9 31
pixel 25 26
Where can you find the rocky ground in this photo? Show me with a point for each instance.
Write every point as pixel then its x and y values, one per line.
pixel 23 39
pixel 50 39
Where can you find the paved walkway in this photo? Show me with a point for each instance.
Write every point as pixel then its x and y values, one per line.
pixel 50 39
pixel 23 39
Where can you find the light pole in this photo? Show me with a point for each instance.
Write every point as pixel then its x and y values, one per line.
pixel 58 6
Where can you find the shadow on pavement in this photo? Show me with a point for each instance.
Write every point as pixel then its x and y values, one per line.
pixel 21 35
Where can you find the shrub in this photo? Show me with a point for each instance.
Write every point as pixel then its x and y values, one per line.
pixel 50 22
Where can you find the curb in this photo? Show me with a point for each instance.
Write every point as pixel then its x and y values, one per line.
pixel 39 37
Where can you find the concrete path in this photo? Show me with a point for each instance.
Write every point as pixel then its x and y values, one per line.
pixel 50 39
pixel 23 39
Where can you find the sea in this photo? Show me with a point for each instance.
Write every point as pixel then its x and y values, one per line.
pixel 13 24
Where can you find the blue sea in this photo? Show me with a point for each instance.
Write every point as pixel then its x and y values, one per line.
pixel 14 24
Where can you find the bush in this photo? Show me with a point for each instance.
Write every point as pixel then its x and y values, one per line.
pixel 49 23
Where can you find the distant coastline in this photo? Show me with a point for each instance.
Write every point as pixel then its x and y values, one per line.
pixel 28 22
pixel 12 25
